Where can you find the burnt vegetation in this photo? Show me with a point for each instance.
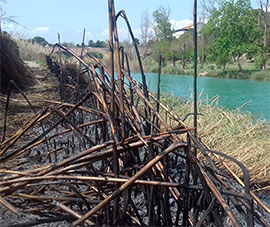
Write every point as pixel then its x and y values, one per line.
pixel 104 156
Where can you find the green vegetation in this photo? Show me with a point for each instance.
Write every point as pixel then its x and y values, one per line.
pixel 40 40
pixel 98 43
pixel 162 24
pixel 233 43
pixel 250 70
pixel 97 55
pixel 233 31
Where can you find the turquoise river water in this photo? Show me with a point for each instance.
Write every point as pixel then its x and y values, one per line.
pixel 233 93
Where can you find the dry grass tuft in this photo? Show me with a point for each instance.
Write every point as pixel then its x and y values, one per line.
pixel 231 132
pixel 12 67
pixel 31 51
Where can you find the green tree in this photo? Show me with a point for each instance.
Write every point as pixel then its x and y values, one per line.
pixel 233 31
pixel 162 25
pixel 263 54
pixel 163 48
pixel 164 34
pixel 91 43
pixel 98 43
pixel 184 46
pixel 40 40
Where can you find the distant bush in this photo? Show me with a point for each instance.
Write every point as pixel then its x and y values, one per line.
pixel 40 40
pixel 97 55
pixel 261 75
pixel 98 44
pixel 212 67
pixel 172 70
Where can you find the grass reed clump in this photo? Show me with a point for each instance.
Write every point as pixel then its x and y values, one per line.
pixel 12 67
pixel 30 51
pixel 234 133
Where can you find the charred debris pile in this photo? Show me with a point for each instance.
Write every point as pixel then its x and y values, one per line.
pixel 104 156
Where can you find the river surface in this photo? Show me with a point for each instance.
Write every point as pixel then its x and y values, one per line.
pixel 233 93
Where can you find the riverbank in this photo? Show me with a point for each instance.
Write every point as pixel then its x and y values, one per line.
pixel 250 71
pixel 232 132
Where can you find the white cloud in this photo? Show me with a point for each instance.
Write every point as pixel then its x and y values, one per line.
pixel 10 26
pixel 264 8
pixel 124 34
pixel 41 30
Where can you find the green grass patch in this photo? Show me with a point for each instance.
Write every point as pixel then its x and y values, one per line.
pixel 250 70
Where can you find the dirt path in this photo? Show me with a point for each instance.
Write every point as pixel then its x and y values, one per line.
pixel 19 111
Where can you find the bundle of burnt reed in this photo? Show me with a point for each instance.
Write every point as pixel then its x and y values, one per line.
pixel 12 67
pixel 110 159
pixel 69 78
pixel 78 170
pixel 64 174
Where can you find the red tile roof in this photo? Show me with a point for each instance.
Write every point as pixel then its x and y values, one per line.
pixel 188 27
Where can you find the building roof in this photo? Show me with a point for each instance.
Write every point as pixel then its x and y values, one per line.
pixel 188 27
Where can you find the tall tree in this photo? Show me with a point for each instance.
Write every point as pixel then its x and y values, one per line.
pixel 145 27
pixel 207 6
pixel 233 30
pixel 146 33
pixel 184 46
pixel 163 48
pixel 264 9
pixel 162 25
pixel 264 21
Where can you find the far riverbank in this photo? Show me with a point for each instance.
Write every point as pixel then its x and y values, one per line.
pixel 250 70
pixel 229 93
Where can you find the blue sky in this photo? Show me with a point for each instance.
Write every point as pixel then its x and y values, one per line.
pixel 47 17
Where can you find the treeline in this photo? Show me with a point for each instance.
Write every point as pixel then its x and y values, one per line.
pixel 42 41
pixel 228 32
